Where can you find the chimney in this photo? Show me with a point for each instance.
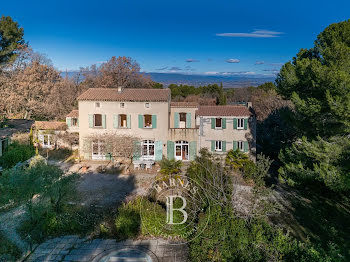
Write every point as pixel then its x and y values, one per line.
pixel 120 89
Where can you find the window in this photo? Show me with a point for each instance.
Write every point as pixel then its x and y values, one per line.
pixel 240 145
pixel 122 121
pixel 47 141
pixel 218 123
pixel 147 105
pixel 148 148
pixel 97 104
pixel 182 123
pixel 97 120
pixel 74 121
pixel 98 149
pixel 147 121
pixel 122 105
pixel 240 123
pixel 218 145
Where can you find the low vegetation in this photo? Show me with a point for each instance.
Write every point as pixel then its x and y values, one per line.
pixel 15 153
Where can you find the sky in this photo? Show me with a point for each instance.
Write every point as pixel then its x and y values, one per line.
pixel 224 37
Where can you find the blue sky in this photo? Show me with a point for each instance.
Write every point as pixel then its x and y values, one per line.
pixel 199 37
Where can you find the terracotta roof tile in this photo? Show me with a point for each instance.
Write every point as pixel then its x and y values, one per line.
pixel 127 94
pixel 184 104
pixel 73 113
pixel 223 111
pixel 50 125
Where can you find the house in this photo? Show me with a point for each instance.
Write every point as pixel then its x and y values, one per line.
pixel 14 129
pixel 164 128
pixel 48 133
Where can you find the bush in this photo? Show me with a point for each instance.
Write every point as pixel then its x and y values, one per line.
pixel 170 167
pixel 229 238
pixel 16 153
pixel 8 250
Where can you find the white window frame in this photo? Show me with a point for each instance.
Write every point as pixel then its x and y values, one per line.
pixel 147 105
pixel 120 121
pixel 101 120
pixel 218 146
pixel 240 123
pixel 218 127
pixel 148 143
pixel 48 141
pixel 97 105
pixel 122 105
pixel 240 145
pixel 101 155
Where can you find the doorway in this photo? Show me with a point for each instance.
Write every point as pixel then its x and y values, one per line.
pixel 181 150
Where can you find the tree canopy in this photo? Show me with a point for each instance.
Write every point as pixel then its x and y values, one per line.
pixel 11 39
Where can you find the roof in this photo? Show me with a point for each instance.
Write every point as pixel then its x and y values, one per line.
pixel 227 110
pixel 184 104
pixel 50 125
pixel 127 94
pixel 73 113
pixel 15 126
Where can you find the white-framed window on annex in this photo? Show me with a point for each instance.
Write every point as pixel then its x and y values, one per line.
pixel 147 149
pixel 240 123
pixel 218 146
pixel 47 141
pixel 74 121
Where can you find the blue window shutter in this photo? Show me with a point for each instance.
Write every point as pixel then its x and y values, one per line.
pixel 246 146
pixel 115 121
pixel 212 145
pixel 176 119
pixel 154 121
pixel 235 145
pixel 69 121
pixel 235 123
pixel 140 121
pixel 193 150
pixel 188 120
pixel 91 121
pixel 223 146
pixel 224 123
pixel 158 150
pixel 213 123
pixel 128 121
pixel 245 123
pixel 104 121
pixel 170 149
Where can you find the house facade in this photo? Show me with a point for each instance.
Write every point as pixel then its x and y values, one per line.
pixel 176 130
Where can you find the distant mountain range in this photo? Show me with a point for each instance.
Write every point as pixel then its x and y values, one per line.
pixel 229 81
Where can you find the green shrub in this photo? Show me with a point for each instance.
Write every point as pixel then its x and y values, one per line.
pixel 127 222
pixel 8 250
pixel 170 167
pixel 16 153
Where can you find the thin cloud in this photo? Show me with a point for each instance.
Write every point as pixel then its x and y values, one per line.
pixel 271 70
pixel 254 34
pixel 259 62
pixel 162 68
pixel 276 64
pixel 191 60
pixel 230 73
pixel 175 68
pixel 233 61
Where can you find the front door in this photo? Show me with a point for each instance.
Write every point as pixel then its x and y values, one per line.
pixel 181 150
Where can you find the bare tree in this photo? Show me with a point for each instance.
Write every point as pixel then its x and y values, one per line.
pixel 123 148
pixel 121 71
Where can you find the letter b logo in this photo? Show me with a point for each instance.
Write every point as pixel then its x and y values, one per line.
pixel 170 210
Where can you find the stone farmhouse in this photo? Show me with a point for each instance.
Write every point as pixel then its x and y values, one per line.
pixel 175 130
